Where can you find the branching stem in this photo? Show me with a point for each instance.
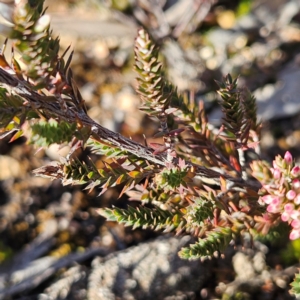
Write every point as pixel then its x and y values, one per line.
pixel 48 106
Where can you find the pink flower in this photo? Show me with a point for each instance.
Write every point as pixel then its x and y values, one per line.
pixel 267 199
pixel 297 199
pixel 276 200
pixel 285 216
pixel 288 157
pixel 295 234
pixel 273 208
pixel 291 194
pixel 295 171
pixel 296 183
pixel 276 173
pixel 274 203
pixel 295 214
pixel 295 224
pixel 289 208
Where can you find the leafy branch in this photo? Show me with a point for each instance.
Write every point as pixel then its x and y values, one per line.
pixel 194 180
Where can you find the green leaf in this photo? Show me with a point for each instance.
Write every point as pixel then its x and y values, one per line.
pixel 216 240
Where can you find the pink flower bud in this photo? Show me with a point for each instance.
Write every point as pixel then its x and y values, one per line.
pixel 295 171
pixel 291 194
pixel 285 216
pixel 295 214
pixel 295 234
pixel 275 166
pixel 267 199
pixel 296 183
pixel 297 199
pixel 288 157
pixel 276 173
pixel 295 224
pixel 289 208
pixel 276 200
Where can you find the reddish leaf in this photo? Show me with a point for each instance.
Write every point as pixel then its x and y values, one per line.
pixel 159 148
pixel 176 131
pixel 234 162
pixel 156 146
pixel 120 179
pixel 223 184
pixel 134 174
pixel 18 134
pixel 127 187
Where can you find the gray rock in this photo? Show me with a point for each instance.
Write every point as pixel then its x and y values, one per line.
pixel 281 99
pixel 150 270
pixel 247 22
